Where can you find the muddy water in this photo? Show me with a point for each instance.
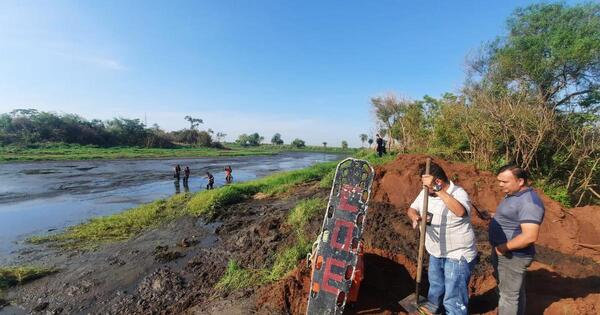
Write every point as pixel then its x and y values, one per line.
pixel 36 198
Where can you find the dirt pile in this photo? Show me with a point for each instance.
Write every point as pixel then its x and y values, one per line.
pixel 567 257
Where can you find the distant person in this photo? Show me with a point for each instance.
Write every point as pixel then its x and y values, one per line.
pixel 380 145
pixel 186 174
pixel 177 172
pixel 513 231
pixel 228 177
pixel 211 180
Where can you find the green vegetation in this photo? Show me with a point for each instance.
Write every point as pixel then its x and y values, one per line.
pixel 288 259
pixel 304 211
pixel 15 275
pixel 119 226
pixel 237 277
pixel 53 152
pixel 532 98
pixel 64 151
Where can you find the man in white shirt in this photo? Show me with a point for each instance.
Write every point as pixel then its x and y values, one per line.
pixel 450 242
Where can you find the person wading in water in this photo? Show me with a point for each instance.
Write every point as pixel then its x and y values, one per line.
pixel 211 180
pixel 228 177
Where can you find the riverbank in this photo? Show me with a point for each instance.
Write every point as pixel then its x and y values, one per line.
pixel 75 152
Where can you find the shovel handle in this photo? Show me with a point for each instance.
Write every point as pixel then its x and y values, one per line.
pixel 422 228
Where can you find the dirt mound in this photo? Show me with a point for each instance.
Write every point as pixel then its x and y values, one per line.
pixel 567 256
pixel 397 183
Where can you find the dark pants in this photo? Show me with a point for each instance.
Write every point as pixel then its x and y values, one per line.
pixel 209 185
pixel 510 276
pixel 380 153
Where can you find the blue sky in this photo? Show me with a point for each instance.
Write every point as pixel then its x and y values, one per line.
pixel 305 69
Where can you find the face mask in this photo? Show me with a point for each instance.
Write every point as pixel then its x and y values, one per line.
pixel 437 187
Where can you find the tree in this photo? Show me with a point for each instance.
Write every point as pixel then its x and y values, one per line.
pixel 552 50
pixel 194 122
pixel 363 137
pixel 276 140
pixel 298 143
pixel 390 112
pixel 324 144
pixel 220 136
pixel 344 144
pixel 370 141
pixel 250 140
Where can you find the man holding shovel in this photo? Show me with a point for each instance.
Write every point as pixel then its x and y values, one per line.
pixel 450 241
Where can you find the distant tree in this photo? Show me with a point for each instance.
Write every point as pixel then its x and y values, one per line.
pixel 370 141
pixel 325 144
pixel 277 139
pixel 250 140
pixel 220 136
pixel 194 122
pixel 298 143
pixel 344 144
pixel 363 138
pixel 204 139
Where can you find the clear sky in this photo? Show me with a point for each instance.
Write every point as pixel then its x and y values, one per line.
pixel 305 69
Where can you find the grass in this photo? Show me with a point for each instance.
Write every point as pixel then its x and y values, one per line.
pixel 288 259
pixel 119 226
pixel 237 277
pixel 304 211
pixel 63 151
pixel 124 225
pixel 15 275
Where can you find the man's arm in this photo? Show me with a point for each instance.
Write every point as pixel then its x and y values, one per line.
pixel 456 207
pixel 451 203
pixel 529 235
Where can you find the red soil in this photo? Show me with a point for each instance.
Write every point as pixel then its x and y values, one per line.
pixel 564 279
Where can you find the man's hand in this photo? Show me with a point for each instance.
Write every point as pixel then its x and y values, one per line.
pixel 427 180
pixel 502 249
pixel 414 217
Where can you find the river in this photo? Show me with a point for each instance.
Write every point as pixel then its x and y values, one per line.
pixel 41 197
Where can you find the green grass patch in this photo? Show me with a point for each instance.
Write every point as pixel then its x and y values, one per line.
pixel 304 211
pixel 119 226
pixel 65 151
pixel 288 259
pixel 59 151
pixel 15 275
pixel 237 277
pixel 208 202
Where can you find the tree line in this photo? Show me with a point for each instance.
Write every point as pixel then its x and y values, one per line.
pixel 30 126
pixel 531 97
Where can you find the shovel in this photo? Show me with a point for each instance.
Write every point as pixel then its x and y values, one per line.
pixel 412 303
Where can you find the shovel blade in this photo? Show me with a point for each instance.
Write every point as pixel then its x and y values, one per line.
pixel 410 305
